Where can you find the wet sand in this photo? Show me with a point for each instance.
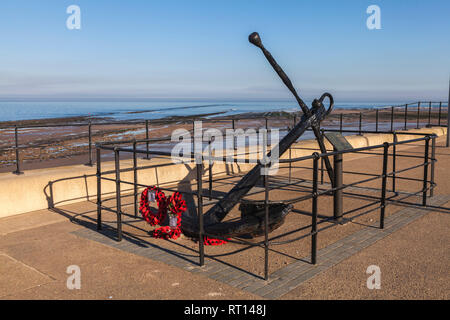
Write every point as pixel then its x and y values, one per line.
pixel 42 147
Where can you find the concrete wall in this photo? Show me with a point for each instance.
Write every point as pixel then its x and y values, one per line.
pixel 44 188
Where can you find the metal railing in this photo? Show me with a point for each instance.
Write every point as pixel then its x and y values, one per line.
pixel 316 188
pixel 402 117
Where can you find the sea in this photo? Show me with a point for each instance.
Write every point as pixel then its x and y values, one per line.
pixel 134 110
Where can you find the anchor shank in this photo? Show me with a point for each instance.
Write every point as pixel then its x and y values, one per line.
pixel 221 208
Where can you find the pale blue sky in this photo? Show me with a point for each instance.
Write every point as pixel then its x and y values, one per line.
pixel 199 49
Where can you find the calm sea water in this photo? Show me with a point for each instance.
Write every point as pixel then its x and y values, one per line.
pixel 14 110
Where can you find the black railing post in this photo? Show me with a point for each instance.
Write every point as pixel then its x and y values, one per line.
pixel 266 223
pixel 440 112
pixel 406 116
pixel 16 137
pixel 321 162
pixel 392 118
pixel 383 185
pixel 425 171
pixel 338 193
pixel 147 143
pixel 429 114
pixel 418 115
pixel 376 121
pixel 210 165
pixel 341 115
pixel 360 124
pixel 118 199
pixel 201 249
pixel 321 170
pixel 314 210
pixel 394 162
pixel 90 144
pixel 99 189
pixel 51 204
pixel 433 160
pixel 448 116
pixel 267 129
pixel 135 180
pixel 233 126
pixel 290 164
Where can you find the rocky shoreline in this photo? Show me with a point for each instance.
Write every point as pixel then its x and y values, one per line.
pixel 48 142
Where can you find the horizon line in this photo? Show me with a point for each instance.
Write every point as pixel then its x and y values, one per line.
pixel 181 99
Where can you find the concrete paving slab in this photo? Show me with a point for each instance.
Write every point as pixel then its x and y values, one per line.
pixel 16 276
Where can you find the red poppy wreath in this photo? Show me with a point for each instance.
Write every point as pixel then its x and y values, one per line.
pixel 174 206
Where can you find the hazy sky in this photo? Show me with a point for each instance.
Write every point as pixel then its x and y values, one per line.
pixel 199 49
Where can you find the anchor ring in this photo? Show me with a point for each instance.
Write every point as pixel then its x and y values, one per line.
pixel 330 98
